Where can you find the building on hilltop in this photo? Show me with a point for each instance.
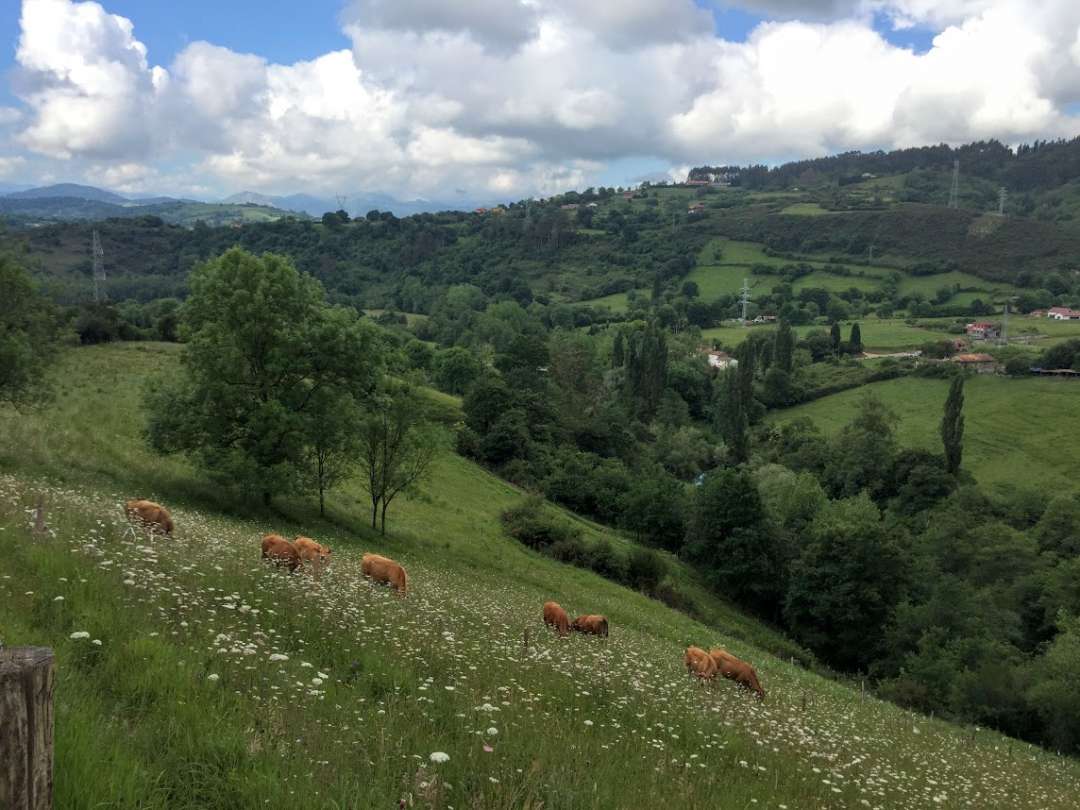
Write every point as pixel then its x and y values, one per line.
pixel 983 330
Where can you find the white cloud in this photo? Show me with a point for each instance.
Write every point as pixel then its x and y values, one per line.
pixel 8 165
pixel 518 97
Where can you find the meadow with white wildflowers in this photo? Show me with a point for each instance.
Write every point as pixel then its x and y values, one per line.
pixel 192 675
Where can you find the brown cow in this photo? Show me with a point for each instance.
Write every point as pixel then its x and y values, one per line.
pixel 153 516
pixel 383 569
pixel 591 624
pixel 555 616
pixel 310 551
pixel 280 551
pixel 699 663
pixel 735 669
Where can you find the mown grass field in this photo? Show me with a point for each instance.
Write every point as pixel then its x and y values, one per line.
pixel 1018 432
pixel 218 682
pixel 877 335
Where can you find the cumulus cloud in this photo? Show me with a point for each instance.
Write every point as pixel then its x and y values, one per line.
pixel 532 96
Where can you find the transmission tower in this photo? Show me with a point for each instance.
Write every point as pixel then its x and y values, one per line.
pixel 342 201
pixel 954 192
pixel 1001 201
pixel 99 267
pixel 744 299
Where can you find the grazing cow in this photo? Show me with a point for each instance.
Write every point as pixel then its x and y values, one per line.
pixel 153 516
pixel 699 663
pixel 735 669
pixel 591 625
pixel 310 551
pixel 280 551
pixel 383 569
pixel 555 616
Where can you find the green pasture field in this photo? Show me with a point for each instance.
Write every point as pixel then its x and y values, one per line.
pixel 1018 432
pixel 190 675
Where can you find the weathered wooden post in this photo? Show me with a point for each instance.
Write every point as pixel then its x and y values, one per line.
pixel 26 728
pixel 39 516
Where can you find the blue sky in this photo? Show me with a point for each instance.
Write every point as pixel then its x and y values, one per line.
pixel 506 99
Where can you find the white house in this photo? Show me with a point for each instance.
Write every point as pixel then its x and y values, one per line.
pixel 722 360
pixel 1063 314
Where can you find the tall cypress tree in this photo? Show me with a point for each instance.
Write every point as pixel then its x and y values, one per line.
pixel 784 347
pixel 834 338
pixel 952 426
pixel 856 339
pixel 618 350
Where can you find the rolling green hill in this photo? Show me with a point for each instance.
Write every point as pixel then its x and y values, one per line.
pixel 1018 432
pixel 277 691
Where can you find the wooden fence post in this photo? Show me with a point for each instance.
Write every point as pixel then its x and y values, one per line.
pixel 26 728
pixel 39 516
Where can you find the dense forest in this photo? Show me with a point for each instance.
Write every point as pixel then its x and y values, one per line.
pixel 1040 165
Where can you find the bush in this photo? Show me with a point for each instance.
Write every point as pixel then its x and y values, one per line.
pixel 528 524
pixel 645 569
pixel 603 559
pixel 570 550
pixel 1018 366
pixel 670 594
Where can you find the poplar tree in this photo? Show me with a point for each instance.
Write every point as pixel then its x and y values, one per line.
pixel 952 426
pixel 856 339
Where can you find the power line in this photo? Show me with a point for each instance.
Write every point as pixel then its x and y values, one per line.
pixel 99 267
pixel 954 192
pixel 744 298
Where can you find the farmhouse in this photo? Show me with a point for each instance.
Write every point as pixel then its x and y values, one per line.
pixel 983 330
pixel 722 360
pixel 1063 314
pixel 979 363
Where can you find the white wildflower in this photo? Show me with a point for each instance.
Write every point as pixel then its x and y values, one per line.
pixel 439 757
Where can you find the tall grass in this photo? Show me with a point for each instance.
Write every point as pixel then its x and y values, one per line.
pixel 219 682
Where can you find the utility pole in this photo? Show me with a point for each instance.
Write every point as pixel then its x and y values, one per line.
pixel 99 267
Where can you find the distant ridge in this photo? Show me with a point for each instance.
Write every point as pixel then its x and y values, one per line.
pixel 70 190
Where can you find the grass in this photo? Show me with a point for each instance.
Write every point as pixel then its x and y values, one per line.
pixel 877 335
pixel 221 683
pixel 616 302
pixel 1018 432
pixel 805 209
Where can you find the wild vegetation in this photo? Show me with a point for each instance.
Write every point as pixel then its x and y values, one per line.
pixel 491 421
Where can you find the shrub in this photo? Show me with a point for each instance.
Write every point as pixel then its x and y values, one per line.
pixel 570 550
pixel 603 559
pixel 645 569
pixel 528 524
pixel 670 594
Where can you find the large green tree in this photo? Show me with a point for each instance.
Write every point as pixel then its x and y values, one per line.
pixel 952 426
pixel 397 446
pixel 845 583
pixel 728 536
pixel 263 350
pixel 28 336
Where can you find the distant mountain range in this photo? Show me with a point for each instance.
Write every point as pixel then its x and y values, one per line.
pixel 72 201
pixel 354 204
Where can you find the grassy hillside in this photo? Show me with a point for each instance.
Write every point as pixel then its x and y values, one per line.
pixel 218 682
pixel 1018 432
